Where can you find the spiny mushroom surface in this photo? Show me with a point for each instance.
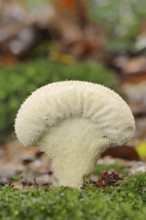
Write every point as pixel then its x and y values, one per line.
pixel 74 122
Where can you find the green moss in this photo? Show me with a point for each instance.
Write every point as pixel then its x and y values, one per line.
pixel 18 81
pixel 127 201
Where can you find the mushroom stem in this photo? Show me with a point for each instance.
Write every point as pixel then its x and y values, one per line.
pixel 73 145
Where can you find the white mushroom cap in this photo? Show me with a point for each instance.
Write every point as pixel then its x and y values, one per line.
pixel 74 122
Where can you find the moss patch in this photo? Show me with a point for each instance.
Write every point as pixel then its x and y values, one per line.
pixel 126 201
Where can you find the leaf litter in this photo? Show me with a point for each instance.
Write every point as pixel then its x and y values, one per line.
pixel 20 167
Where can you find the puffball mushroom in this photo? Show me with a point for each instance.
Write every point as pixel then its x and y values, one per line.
pixel 73 122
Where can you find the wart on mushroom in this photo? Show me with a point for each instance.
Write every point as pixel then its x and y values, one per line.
pixel 73 122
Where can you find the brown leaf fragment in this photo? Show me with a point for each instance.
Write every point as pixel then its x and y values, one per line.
pixel 108 179
pixel 123 152
pixel 27 161
pixel 35 183
pixel 27 183
pixel 39 154
pixel 46 185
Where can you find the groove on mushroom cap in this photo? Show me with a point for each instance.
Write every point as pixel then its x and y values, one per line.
pixel 50 104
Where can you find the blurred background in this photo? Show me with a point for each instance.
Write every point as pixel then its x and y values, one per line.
pixel 42 41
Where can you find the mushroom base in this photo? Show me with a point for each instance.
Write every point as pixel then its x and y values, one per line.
pixel 74 146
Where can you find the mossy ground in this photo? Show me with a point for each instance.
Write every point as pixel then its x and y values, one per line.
pixel 125 201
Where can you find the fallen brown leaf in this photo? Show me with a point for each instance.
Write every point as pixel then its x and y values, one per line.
pixel 108 179
pixel 123 152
